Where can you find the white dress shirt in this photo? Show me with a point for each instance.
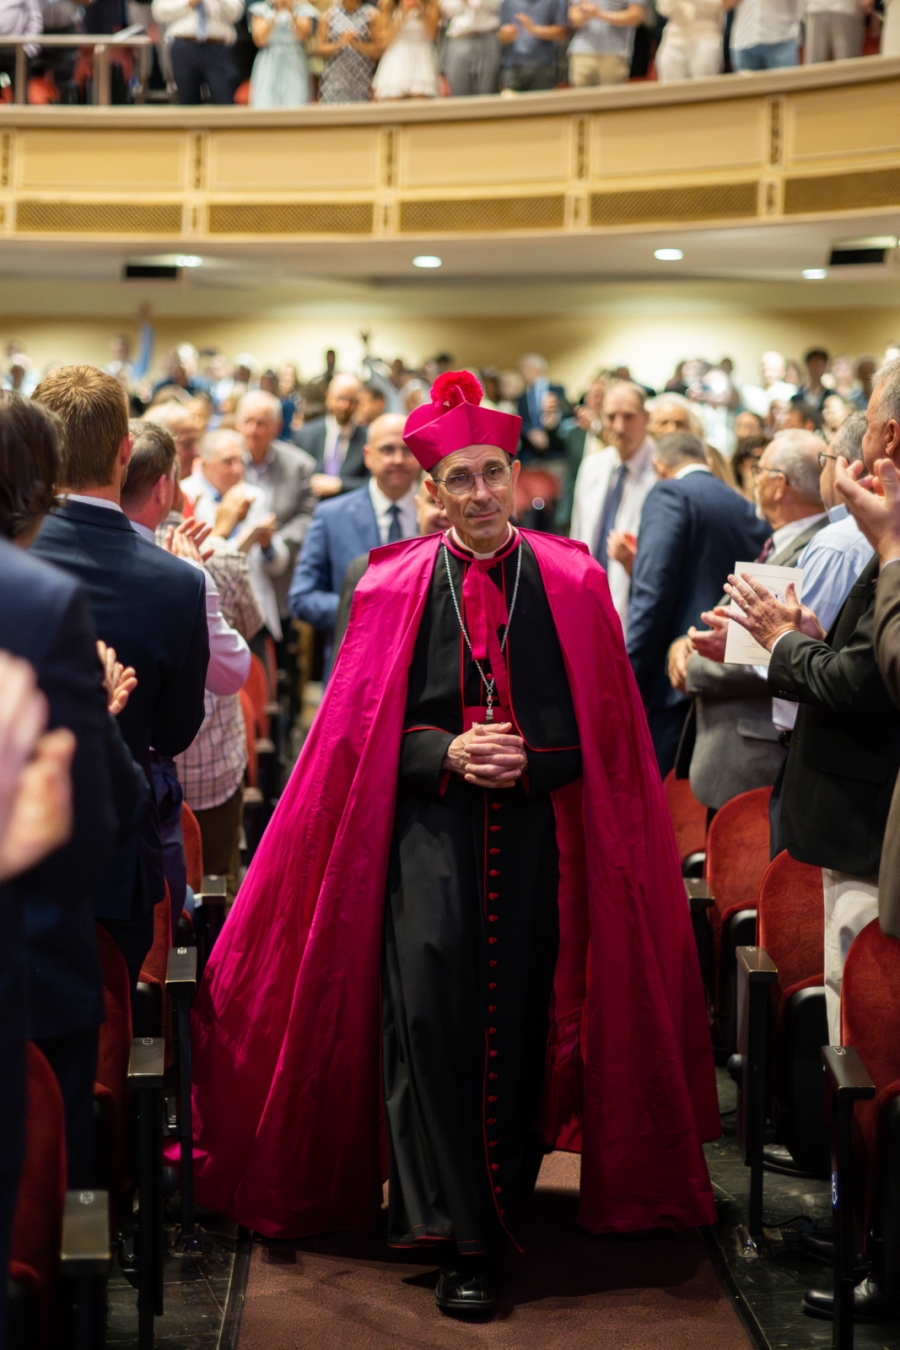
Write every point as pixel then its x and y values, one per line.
pixel 90 501
pixel 470 17
pixel 263 564
pixel 409 521
pixel 694 467
pixel 591 487
pixel 337 440
pixel 229 655
pixel 185 21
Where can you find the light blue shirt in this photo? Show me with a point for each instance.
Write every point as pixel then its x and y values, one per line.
pixel 832 561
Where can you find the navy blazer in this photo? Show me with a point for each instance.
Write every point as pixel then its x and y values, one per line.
pixel 692 532
pixel 151 607
pixel 44 618
pixel 341 529
pixel 311 438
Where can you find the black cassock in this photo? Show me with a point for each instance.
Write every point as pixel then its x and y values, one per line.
pixel 471 928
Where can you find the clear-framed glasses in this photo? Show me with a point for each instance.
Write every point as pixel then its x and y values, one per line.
pixel 757 468
pixel 459 483
pixel 823 457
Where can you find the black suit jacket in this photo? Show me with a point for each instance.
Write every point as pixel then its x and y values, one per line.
pixel 311 438
pixel 693 530
pixel 845 748
pixel 151 607
pixel 44 618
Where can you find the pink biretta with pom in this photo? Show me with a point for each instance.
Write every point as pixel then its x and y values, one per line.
pixel 455 419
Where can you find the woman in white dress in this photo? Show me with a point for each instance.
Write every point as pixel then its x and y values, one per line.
pixel 408 69
pixel 691 47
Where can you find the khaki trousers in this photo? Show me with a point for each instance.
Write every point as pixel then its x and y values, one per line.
pixel 220 827
pixel 850 903
pixel 589 68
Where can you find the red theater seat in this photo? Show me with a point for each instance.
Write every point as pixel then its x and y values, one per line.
pixel 688 816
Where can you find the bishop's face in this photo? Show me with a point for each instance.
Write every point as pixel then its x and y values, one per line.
pixel 478 502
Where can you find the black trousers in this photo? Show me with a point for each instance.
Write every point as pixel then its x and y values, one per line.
pixel 134 938
pixel 197 63
pixel 73 1059
pixel 666 726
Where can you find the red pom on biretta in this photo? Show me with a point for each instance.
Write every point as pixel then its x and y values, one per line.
pixel 455 387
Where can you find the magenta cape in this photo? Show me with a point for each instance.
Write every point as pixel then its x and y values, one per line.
pixel 287 1022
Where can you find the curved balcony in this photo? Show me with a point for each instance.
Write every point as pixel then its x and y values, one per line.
pixel 797 146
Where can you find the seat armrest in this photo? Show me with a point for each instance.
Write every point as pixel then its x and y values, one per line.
pixel 147 1063
pixel 85 1247
pixel 846 1073
pixel 756 965
pixel 181 969
pixel 214 891
pixel 699 895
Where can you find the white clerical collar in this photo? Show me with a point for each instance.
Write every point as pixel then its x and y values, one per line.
pixel 481 557
pixel 90 501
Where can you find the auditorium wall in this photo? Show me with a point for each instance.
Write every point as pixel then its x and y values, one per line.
pixel 643 330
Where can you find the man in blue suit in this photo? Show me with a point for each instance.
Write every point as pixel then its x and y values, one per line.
pixel 144 602
pixel 382 512
pixel 693 530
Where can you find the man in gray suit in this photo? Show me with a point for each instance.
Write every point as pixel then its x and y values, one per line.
pixel 283 473
pixel 730 741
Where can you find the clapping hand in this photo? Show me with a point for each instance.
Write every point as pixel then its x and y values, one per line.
pixel 766 617
pixel 711 644
pixel 874 503
pixel 487 756
pixel 185 541
pixel 231 510
pixel 120 681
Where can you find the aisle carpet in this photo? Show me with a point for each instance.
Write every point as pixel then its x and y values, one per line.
pixel 569 1291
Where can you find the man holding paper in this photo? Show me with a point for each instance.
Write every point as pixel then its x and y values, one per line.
pixel 730 742
pixel 831 804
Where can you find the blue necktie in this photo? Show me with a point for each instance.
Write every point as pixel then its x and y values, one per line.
pixel 608 515
pixel 395 533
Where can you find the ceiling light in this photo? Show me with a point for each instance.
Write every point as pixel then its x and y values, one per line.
pixel 427 260
pixel 814 273
pixel 188 260
pixel 669 254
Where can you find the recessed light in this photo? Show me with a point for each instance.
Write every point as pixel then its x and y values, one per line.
pixel 188 260
pixel 668 254
pixel 814 273
pixel 427 260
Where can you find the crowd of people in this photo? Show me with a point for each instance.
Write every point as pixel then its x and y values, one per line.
pixel 285 53
pixel 157 533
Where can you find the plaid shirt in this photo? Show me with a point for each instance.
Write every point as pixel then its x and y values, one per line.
pixel 211 769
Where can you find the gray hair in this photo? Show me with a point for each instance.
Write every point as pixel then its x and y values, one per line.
pixel 262 396
pixel 214 441
pixel 668 398
pixel 638 390
pixel 848 440
pixel 795 453
pixel 889 376
pixel 679 447
pixel 533 359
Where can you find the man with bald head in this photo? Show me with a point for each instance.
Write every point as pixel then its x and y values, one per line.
pixel 283 473
pixel 612 486
pixel 381 512
pixel 335 441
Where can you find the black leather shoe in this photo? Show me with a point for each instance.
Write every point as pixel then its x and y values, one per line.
pixel 819 1248
pixel 465 1294
pixel 869 1305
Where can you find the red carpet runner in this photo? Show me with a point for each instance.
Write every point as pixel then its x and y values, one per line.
pixel 569 1291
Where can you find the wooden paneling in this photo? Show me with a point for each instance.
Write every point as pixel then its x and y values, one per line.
pixel 687 139
pixel 863 120
pixel 100 161
pixel 335 158
pixel 448 155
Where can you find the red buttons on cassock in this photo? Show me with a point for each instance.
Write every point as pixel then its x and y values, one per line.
pixel 501 1212
pixel 492 963
pixel 492 1007
pixel 495 806
pixel 492 1143
pixel 493 872
pixel 496 1190
pixel 493 895
pixel 492 1099
pixel 495 1167
pixel 492 1120
pixel 492 941
pixel 493 1054
pixel 492 1031
pixel 492 918
pixel 492 1076
pixel 494 829
pixel 493 983
pixel 493 852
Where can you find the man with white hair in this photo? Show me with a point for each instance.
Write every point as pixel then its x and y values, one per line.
pixel 282 472
pixel 238 511
pixel 672 412
pixel 335 441
pixel 184 425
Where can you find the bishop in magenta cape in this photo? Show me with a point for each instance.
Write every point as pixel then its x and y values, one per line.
pixel 430 979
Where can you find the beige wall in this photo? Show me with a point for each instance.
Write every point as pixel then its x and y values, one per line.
pixel 649 338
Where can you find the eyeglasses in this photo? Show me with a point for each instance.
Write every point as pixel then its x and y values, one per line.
pixel 823 456
pixel 757 468
pixel 493 476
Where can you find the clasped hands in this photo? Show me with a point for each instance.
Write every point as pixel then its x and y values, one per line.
pixel 487 756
